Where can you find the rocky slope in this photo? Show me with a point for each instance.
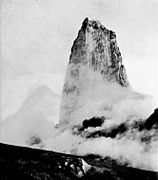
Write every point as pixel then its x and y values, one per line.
pixel 33 164
pixel 94 52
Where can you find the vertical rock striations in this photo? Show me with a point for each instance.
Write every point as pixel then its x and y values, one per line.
pixel 94 51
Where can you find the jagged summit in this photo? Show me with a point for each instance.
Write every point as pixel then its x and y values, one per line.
pixel 94 52
pixel 96 47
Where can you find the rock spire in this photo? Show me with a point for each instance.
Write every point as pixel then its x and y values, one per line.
pixel 94 50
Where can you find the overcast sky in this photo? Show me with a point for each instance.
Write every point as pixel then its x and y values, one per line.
pixel 37 35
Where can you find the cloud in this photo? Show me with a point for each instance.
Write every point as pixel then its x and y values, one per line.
pixel 35 124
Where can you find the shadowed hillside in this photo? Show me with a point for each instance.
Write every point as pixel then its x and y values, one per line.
pixel 26 163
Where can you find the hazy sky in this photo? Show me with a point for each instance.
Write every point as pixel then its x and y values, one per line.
pixel 37 35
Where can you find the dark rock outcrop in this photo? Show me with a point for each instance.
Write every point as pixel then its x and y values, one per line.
pixel 147 128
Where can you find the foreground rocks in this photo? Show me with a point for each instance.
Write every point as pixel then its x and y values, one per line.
pixel 26 163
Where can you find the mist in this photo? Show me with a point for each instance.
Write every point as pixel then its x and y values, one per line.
pixel 36 124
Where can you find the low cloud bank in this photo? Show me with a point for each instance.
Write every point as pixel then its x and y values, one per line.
pixel 35 125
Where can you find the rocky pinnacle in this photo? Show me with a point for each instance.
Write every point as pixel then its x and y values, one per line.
pixel 95 49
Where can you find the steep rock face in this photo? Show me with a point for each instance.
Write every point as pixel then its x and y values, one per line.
pixel 96 47
pixel 94 52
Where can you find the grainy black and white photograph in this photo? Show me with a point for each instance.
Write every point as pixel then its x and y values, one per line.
pixel 79 89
